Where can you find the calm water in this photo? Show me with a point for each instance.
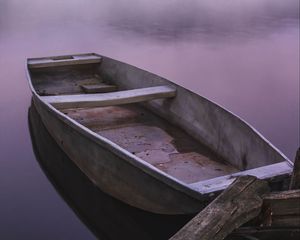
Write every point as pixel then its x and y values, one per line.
pixel 242 55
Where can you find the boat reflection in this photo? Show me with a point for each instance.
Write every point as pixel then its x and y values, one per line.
pixel 105 216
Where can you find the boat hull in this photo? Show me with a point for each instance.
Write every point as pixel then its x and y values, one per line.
pixel 125 176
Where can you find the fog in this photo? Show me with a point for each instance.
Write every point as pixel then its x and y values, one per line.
pixel 156 19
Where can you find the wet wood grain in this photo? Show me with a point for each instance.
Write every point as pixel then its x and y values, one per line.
pixel 239 203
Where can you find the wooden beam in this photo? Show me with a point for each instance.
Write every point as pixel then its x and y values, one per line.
pixel 257 233
pixel 109 99
pixel 239 203
pixel 295 180
pixel 281 209
pixel 279 218
pixel 63 60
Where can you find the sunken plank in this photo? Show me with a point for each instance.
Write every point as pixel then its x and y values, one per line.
pixel 63 60
pixel 98 88
pixel 295 180
pixel 238 204
pixel 153 140
pixel 109 99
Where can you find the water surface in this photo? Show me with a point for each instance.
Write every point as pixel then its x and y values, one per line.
pixel 242 55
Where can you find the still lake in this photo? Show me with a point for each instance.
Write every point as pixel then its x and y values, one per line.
pixel 242 55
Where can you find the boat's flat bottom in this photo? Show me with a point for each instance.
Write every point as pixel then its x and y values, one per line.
pixel 154 140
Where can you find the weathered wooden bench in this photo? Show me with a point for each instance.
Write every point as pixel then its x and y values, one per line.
pixel 112 98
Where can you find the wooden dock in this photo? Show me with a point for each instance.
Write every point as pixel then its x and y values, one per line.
pixel 247 210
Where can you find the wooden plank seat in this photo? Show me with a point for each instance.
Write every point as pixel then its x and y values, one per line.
pixel 98 88
pixel 112 98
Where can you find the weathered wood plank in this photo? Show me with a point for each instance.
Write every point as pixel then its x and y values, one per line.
pixel 295 180
pixel 281 209
pixel 109 99
pixel 63 61
pixel 98 88
pixel 264 233
pixel 239 203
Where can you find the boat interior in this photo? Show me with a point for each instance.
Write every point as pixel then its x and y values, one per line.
pixel 76 87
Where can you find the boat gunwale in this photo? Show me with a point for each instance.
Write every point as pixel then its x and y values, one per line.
pixel 138 162
pixel 60 56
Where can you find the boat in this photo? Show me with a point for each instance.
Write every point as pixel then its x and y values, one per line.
pixel 145 140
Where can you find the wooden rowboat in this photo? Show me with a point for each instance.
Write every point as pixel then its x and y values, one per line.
pixel 143 139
